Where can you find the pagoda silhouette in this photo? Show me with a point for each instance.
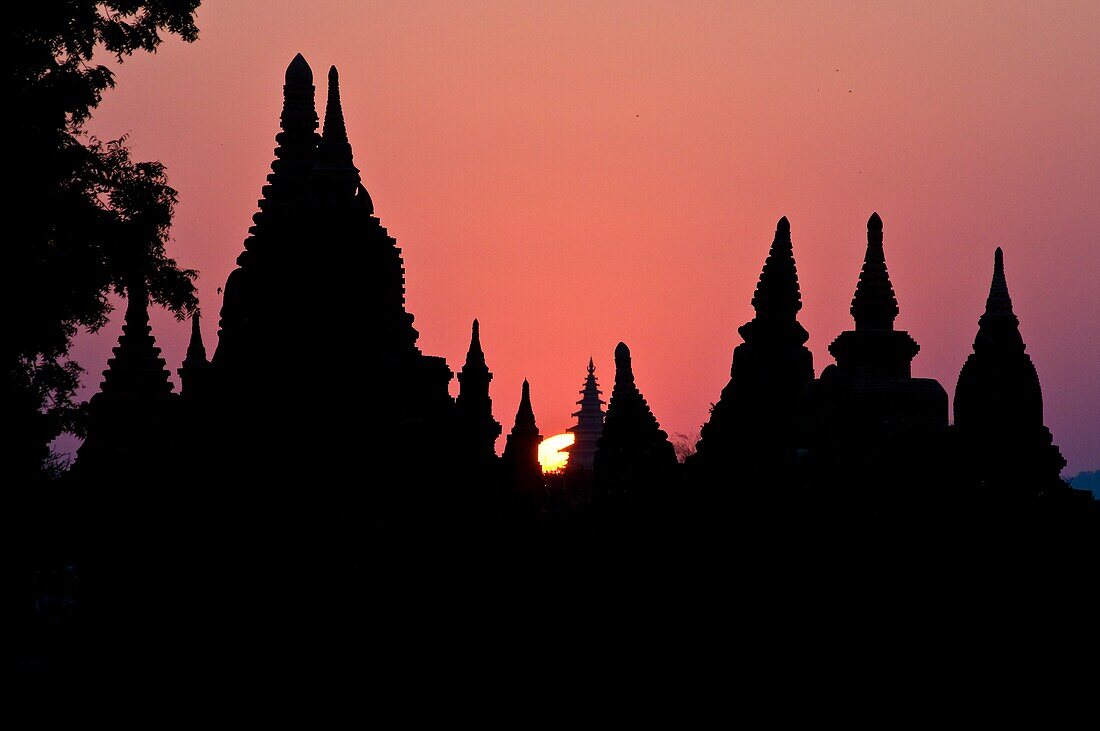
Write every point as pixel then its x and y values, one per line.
pixel 304 384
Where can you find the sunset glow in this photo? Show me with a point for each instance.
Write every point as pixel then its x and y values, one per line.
pixel 551 457
pixel 597 172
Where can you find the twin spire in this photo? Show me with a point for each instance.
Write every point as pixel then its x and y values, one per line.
pixel 874 307
pixel 334 152
pixel 777 295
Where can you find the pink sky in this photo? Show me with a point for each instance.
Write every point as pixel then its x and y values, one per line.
pixel 575 174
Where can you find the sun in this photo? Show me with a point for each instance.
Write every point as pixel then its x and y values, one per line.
pixel 551 456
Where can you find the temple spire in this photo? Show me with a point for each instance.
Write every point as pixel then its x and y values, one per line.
pixel 478 429
pixel 624 370
pixel 335 148
pixel 299 114
pixel 525 415
pixel 589 424
pixel 874 306
pixel 998 327
pixel 632 451
pixel 335 177
pixel 475 355
pixel 196 351
pixel 521 451
pixel 777 295
pixel 999 302
pixel 999 401
pixel 195 371
pixel 751 429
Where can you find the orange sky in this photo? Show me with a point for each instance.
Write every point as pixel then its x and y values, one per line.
pixel 575 174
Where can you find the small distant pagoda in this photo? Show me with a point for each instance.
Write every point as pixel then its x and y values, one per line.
pixel 633 454
pixel 130 414
pixel 195 371
pixel 478 429
pixel 521 452
pixel 589 426
pixel 999 402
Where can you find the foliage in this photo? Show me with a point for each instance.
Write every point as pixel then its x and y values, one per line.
pixel 86 217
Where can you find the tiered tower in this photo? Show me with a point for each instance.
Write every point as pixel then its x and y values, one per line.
pixel 633 453
pixel 319 266
pixel 589 425
pixel 867 410
pixel 521 452
pixel 195 371
pixel 474 407
pixel 132 415
pixel 750 436
pixel 999 402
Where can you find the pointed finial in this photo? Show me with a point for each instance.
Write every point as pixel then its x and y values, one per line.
pixel 998 327
pixel 777 298
pixel 196 351
pixel 334 131
pixel 591 366
pixel 525 415
pixel 874 307
pixel 999 302
pixel 475 357
pixel 299 116
pixel 299 71
pixel 335 171
pixel 624 370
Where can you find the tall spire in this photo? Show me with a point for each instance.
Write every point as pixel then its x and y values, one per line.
pixel 128 417
pixel 751 429
pixel 999 401
pixel 777 295
pixel 335 178
pixel 196 352
pixel 479 430
pixel 632 450
pixel 335 150
pixel 874 306
pixel 521 451
pixel 299 114
pixel 998 327
pixel 589 424
pixel 137 367
pixel 525 415
pixel 194 372
pixel 475 356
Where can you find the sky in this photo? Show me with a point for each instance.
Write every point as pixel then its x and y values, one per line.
pixel 574 174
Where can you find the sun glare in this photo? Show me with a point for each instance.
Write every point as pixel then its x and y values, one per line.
pixel 551 457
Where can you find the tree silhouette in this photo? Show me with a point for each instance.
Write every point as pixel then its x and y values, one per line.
pixel 89 216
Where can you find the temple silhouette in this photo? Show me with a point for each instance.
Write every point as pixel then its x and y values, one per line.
pixel 262 409
pixel 248 503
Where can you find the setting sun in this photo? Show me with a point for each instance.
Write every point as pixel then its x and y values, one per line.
pixel 551 456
